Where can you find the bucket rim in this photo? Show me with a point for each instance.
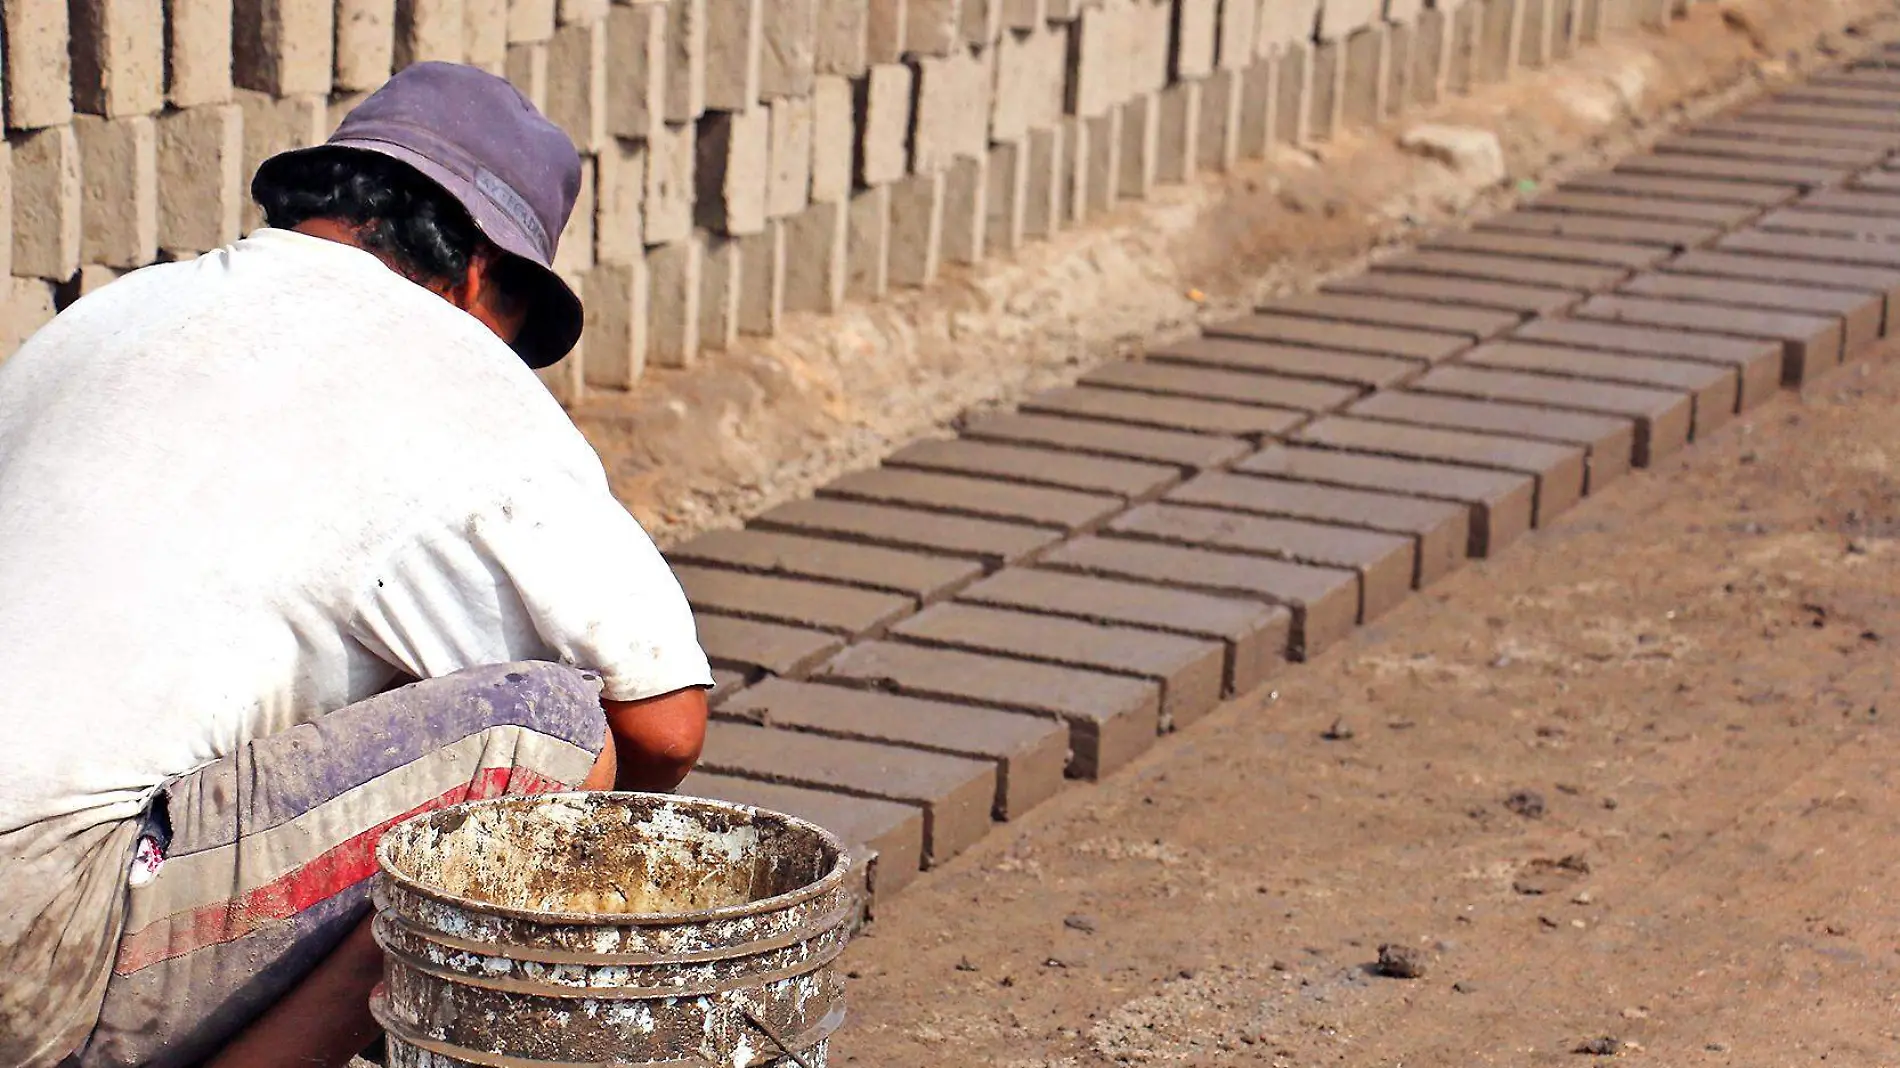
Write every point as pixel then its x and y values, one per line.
pixel 824 884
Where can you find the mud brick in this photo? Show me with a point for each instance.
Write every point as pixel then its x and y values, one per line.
pixel 952 114
pixel 1352 337
pixel 1796 133
pixel 38 64
pixel 965 210
pixel 731 170
pixel 675 279
pixel 1111 718
pixel 1192 414
pixel 841 41
pixel 1031 71
pixel 1258 109
pixel 883 116
pixel 620 179
pixel 1885 282
pixel 1474 323
pixel 26 304
pixel 1293 84
pixel 832 138
pixel 1253 635
pixel 1715 391
pixel 47 195
pixel 1072 176
pixel 1860 313
pixel 1029 752
pixel 749 645
pixel 725 279
pixel 989 540
pixel 1499 501
pixel 577 83
pixel 1837 95
pixel 1271 390
pixel 1440 531
pixel 571 12
pixel 726 683
pixel 91 278
pixel 1847 201
pixel 1196 28
pixel 1468 293
pixel 686 48
pixel 574 251
pixel 1609 443
pixel 1238 34
pixel 868 243
pixel 1751 172
pixel 118 57
pixel 978 497
pixel 916 230
pixel 527 69
pixel 1386 563
pixel 1859 227
pixel 365 44
pixel 201 178
pixel 923 578
pixel 1098 59
pixel 787 58
pixel 432 30
pixel 884 31
pixel 956 793
pixel 1758 363
pixel 1006 197
pixel 934 27
pixel 885 837
pixel 1662 416
pixel 1190 450
pixel 788 186
pixel 283 47
pixel 485 34
pixel 615 297
pixel 1692 212
pixel 1811 343
pixel 1882 181
pixel 735 35
pixel 1608 228
pixel 1324 601
pixel 1824 115
pixel 1559 469
pixel 854 613
pixel 1698 143
pixel 1563 250
pixel 1126 479
pixel 1043 201
pixel 1189 671
pixel 815 248
pixel 1217 142
pixel 667 208
pixel 530 21
pixel 635 91
pixel 1824 249
pixel 1350 368
pixel 197 61
pixel 1572 277
pixel 119 199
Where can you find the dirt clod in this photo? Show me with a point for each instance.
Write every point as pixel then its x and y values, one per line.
pixel 1079 922
pixel 1602 1046
pixel 1340 731
pixel 1400 962
pixel 1526 803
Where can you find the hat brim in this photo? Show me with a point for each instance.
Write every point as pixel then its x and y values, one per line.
pixel 555 317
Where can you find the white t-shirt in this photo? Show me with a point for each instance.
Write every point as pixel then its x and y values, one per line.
pixel 242 491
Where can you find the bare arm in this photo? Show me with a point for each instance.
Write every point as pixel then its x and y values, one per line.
pixel 657 741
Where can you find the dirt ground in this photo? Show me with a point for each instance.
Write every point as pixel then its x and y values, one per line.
pixel 1635 786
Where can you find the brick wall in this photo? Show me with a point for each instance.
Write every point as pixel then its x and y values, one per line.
pixel 744 158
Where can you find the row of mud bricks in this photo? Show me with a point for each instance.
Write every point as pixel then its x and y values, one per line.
pixel 745 158
pixel 929 646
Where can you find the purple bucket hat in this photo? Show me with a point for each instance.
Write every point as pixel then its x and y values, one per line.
pixel 515 172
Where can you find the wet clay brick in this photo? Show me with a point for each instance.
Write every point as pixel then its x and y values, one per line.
pixel 1877 202
pixel 1127 479
pixel 1555 249
pixel 1714 390
pixel 1559 469
pixel 845 610
pixel 886 837
pixel 1111 718
pixel 907 528
pixel 1190 671
pixel 1385 562
pixel 726 682
pixel 1811 344
pixel 1824 249
pixel 1662 417
pixel 1474 323
pixel 919 576
pixel 1499 501
pixel 1825 115
pixel 956 793
pixel 1881 181
pixel 1350 368
pixel 1718 169
pixel 1857 227
pixel 1029 752
pixel 1274 391
pixel 1697 143
pixel 1324 601
pixel 1439 530
pixel 1191 414
pixel 1837 94
pixel 1254 635
pixel 1757 362
pixel 1466 292
pixel 979 497
pixel 1192 451
pixel 1524 270
pixel 748 645
pixel 1609 443
pixel 1352 337
pixel 1883 282
pixel 1762 129
pixel 1861 314
pixel 1602 228
pixel 1694 213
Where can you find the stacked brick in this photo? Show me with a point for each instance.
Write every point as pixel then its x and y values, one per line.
pixel 745 159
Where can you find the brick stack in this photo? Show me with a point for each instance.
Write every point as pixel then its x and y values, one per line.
pixel 744 158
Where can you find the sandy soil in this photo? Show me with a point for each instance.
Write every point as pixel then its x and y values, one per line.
pixel 1635 786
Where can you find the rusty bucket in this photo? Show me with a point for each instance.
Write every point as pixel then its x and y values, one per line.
pixel 610 929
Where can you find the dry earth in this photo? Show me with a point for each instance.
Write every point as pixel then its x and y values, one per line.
pixel 1634 786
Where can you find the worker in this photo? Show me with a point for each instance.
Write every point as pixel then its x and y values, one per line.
pixel 293 543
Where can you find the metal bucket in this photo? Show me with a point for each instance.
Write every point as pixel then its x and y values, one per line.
pixel 611 928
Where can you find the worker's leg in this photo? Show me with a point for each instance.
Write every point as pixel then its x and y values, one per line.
pixel 262 896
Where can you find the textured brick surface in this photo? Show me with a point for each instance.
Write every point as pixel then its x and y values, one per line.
pixel 1029 752
pixel 1714 390
pixel 1608 228
pixel 1662 417
pixel 38 64
pixel 1499 502
pixel 1754 194
pixel 1352 337
pixel 1655 209
pixel 1111 718
pixel 845 610
pixel 1861 314
pixel 1277 391
pixel 1884 282
pixel 1324 601
pixel 283 47
pixel 1811 344
pixel 1254 635
pixel 1234 354
pixel 198 52
pixel 1609 442
pixel 905 528
pixel 751 646
pixel 117 56
pixel 886 836
pixel 1474 323
pixel 1718 168
pixel 1189 671
pixel 955 793
pixel 1165 412
pixel 1182 449
pixel 1824 249
pixel 1558 469
pixel 1553 249
pixel 1127 479
pixel 1700 143
pixel 1460 292
pixel 1512 269
pixel 119 201
pixel 920 576
pixel 980 497
pixel 1796 133
pixel 47 191
pixel 1758 362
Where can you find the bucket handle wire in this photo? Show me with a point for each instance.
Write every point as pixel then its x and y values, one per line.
pixel 772 1033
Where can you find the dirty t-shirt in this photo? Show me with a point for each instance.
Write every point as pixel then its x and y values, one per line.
pixel 242 491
